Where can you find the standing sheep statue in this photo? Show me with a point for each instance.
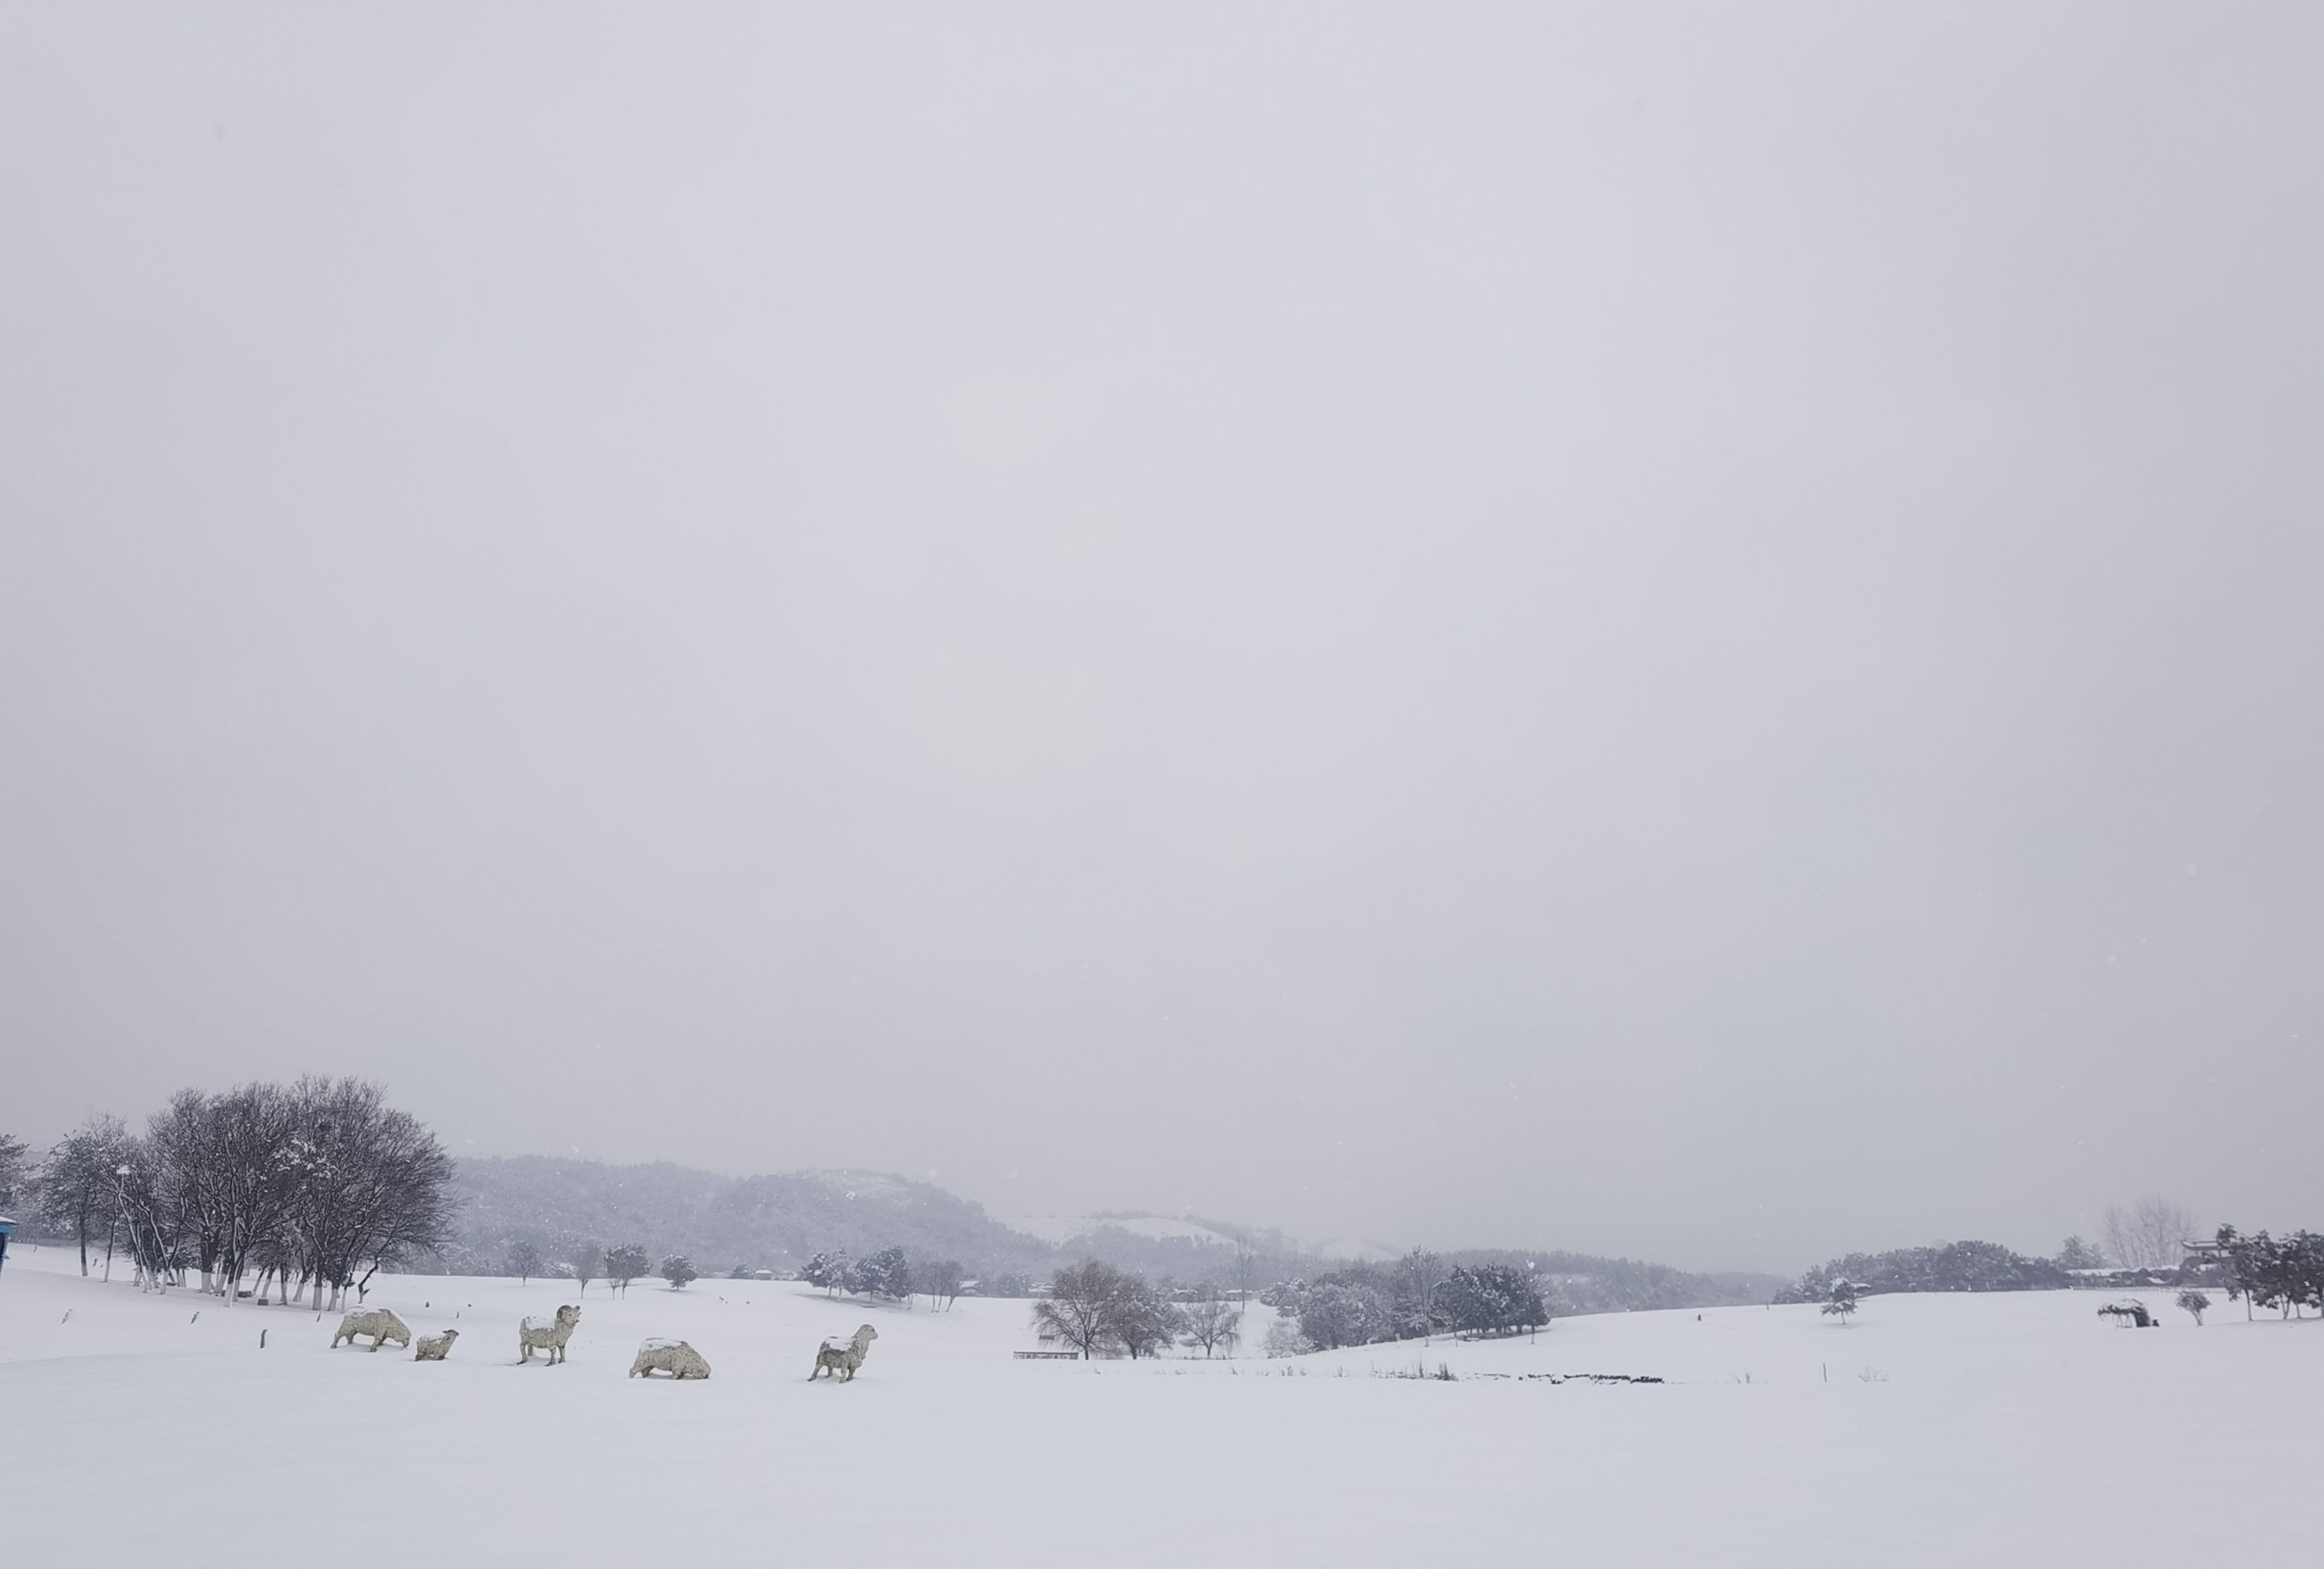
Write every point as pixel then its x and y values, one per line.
pixel 533 1335
pixel 435 1348
pixel 838 1359
pixel 674 1357
pixel 378 1323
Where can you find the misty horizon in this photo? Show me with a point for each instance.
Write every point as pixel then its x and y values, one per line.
pixel 1663 633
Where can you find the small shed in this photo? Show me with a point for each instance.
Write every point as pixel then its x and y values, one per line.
pixel 7 1229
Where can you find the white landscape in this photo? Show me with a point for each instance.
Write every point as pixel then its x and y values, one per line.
pixel 2004 1428
pixel 1603 681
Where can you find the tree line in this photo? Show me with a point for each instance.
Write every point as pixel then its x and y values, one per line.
pixel 1099 1310
pixel 1947 1267
pixel 888 1272
pixel 1420 1294
pixel 309 1187
pixel 2285 1273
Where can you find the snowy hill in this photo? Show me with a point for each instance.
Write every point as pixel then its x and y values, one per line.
pixel 1059 1229
pixel 773 1221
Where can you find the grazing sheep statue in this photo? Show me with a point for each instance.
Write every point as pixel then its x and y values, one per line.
pixel 533 1335
pixel 836 1359
pixel 435 1348
pixel 378 1323
pixel 674 1357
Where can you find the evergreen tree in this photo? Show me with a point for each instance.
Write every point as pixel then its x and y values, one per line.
pixel 1842 1305
pixel 678 1269
pixel 885 1273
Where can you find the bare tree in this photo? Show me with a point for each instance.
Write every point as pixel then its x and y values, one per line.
pixel 588 1262
pixel 1213 1322
pixel 2152 1234
pixel 1081 1306
pixel 372 1185
pixel 77 1184
pixel 524 1260
pixel 14 1168
pixel 940 1281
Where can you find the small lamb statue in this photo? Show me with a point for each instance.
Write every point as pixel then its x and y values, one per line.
pixel 378 1323
pixel 837 1360
pixel 533 1335
pixel 435 1348
pixel 674 1357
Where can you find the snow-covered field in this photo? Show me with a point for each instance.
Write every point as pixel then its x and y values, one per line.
pixel 1995 1430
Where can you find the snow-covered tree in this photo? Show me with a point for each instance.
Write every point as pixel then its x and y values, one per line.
pixel 885 1273
pixel 1843 1304
pixel 2193 1304
pixel 1492 1299
pixel 1413 1293
pixel 828 1271
pixel 2078 1254
pixel 625 1264
pixel 678 1270
pixel 1336 1314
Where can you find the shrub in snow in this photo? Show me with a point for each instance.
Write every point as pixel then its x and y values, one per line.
pixel 533 1334
pixel 377 1322
pixel 2194 1303
pixel 674 1357
pixel 435 1348
pixel 2128 1314
pixel 837 1360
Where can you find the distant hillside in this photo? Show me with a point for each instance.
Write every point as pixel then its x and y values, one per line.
pixel 780 1221
pixel 765 1222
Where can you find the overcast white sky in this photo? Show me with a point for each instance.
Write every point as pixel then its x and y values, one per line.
pixel 1690 630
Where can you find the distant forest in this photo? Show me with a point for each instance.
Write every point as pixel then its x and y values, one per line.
pixel 780 1222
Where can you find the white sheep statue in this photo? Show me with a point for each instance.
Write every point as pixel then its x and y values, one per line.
pixel 533 1335
pixel 838 1360
pixel 435 1348
pixel 674 1357
pixel 378 1323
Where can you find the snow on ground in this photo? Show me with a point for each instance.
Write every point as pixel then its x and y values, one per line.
pixel 2002 1429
